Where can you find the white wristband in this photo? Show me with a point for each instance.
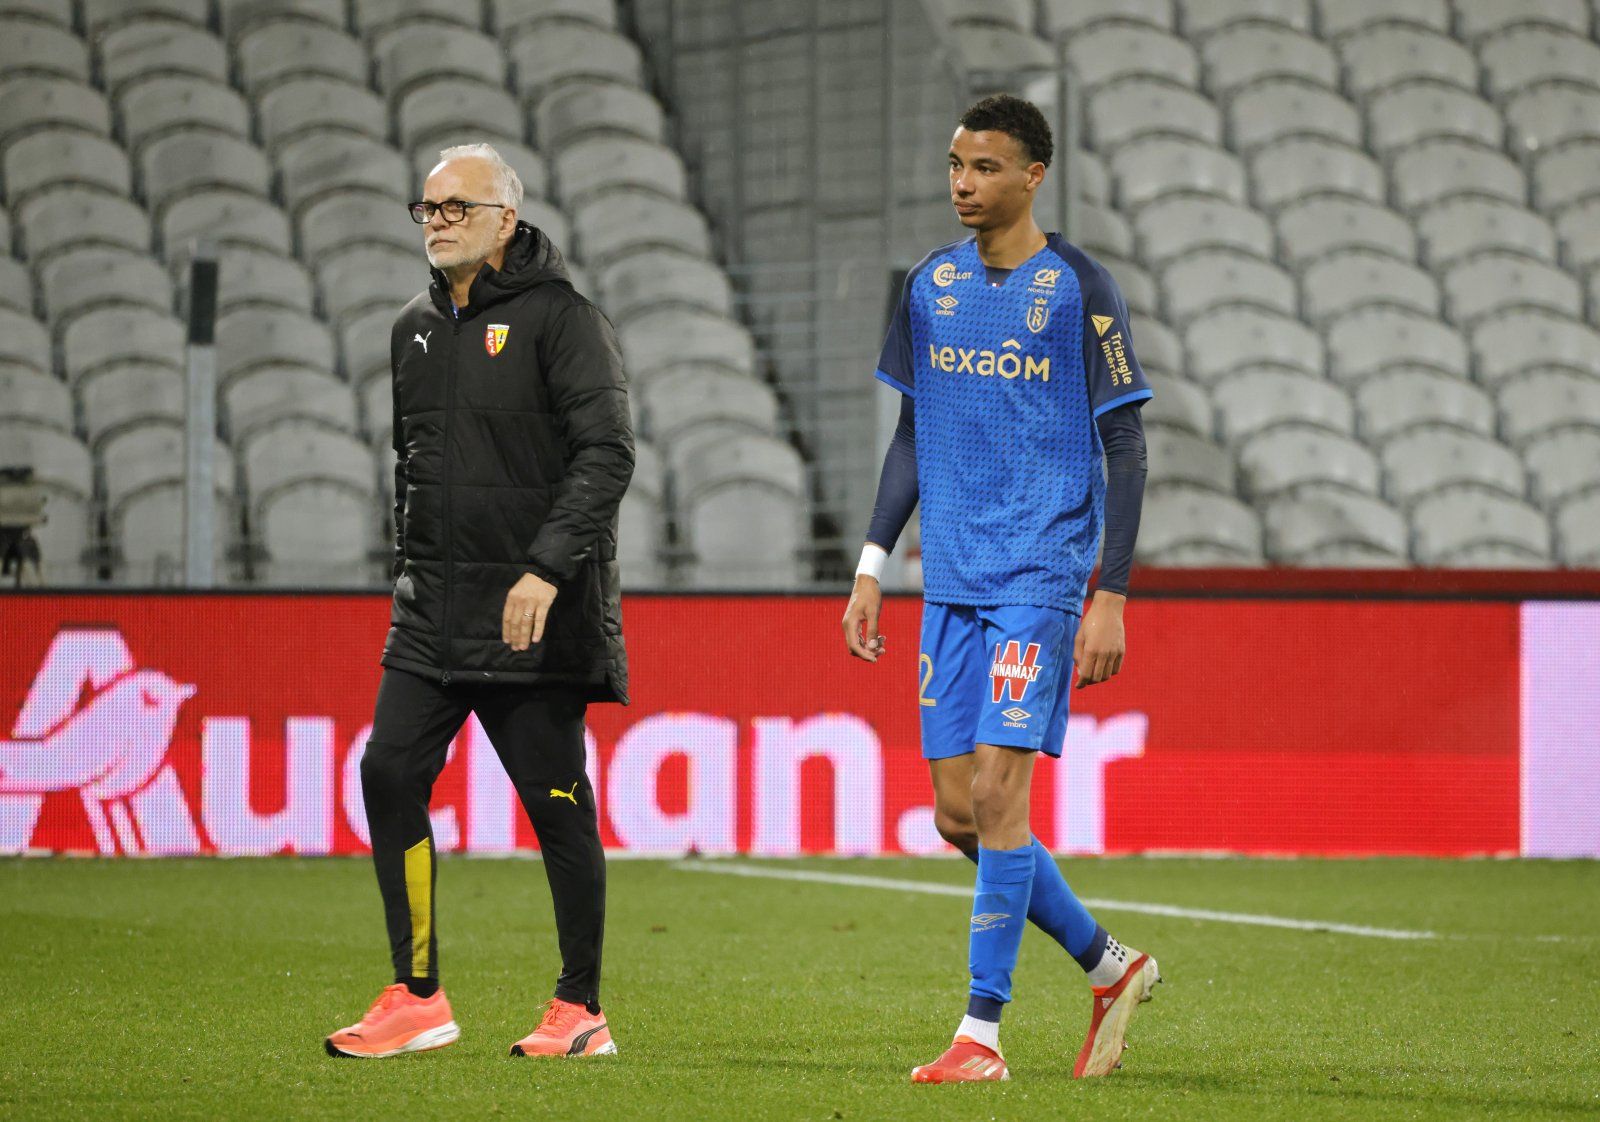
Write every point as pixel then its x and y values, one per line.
pixel 873 558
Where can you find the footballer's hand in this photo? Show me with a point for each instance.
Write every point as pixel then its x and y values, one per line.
pixel 1101 642
pixel 861 619
pixel 527 607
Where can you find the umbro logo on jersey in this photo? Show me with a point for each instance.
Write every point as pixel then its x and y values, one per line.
pixel 1101 324
pixel 986 920
pixel 423 339
pixel 1017 713
pixel 947 305
pixel 946 275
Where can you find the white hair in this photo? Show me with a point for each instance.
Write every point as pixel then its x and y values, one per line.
pixel 507 185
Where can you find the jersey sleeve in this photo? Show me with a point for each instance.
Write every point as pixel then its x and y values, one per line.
pixel 1114 374
pixel 895 365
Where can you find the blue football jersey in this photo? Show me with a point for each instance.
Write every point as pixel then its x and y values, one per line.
pixel 1007 379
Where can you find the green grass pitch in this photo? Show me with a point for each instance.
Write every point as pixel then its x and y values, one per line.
pixel 203 989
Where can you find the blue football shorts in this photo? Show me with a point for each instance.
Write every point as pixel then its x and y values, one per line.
pixel 994 676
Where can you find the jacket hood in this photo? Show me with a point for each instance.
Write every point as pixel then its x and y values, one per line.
pixel 531 259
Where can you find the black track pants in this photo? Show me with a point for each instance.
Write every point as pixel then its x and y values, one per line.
pixel 538 734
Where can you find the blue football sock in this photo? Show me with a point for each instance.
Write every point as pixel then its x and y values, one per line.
pixel 1054 909
pixel 999 911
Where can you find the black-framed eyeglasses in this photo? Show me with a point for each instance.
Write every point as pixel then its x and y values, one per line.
pixel 454 210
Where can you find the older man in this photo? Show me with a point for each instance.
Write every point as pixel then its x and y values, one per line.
pixel 514 449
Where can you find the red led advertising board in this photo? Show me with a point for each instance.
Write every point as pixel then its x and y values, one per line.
pixel 234 724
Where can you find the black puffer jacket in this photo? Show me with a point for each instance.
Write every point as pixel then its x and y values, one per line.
pixel 515 447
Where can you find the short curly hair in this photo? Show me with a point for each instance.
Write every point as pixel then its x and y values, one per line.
pixel 1018 119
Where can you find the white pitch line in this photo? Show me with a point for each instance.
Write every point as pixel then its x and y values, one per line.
pixel 932 888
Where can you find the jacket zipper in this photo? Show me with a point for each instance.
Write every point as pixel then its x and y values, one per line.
pixel 449 544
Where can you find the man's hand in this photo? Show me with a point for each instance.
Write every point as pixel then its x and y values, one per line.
pixel 1101 643
pixel 527 607
pixel 861 619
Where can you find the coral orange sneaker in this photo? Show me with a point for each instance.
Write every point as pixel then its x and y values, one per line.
pixel 398 1022
pixel 568 1029
pixel 1113 1009
pixel 965 1061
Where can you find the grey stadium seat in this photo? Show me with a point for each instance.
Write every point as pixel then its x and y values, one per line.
pixel 1326 224
pixel 1193 525
pixel 1338 18
pixel 1147 169
pixel 373 17
pixel 1101 230
pixel 654 278
pixel 1428 458
pixel 1477 19
pixel 357 278
pixel 1544 400
pixel 1205 279
pixel 1056 16
pixel 270 395
pixel 152 454
pixel 59 460
pixel 508 15
pixel 83 215
pixel 742 502
pixel 147 535
pixel 229 217
pixel 37 100
pixel 1497 280
pixel 1422 110
pixel 155 106
pixel 240 16
pixel 1121 48
pixel 989 49
pixel 1341 282
pixel 23 340
pixel 50 158
pixel 410 55
pixel 34 46
pixel 1232 338
pixel 101 15
pixel 1523 56
pixel 1017 15
pixel 272 52
pixel 1178 404
pixel 677 400
pixel 434 111
pixel 605 162
pixel 552 51
pixel 1563 463
pixel 641 531
pixel 147 48
pixel 579 108
pixel 1283 458
pixel 1300 167
pixel 115 335
pixel 656 341
pixel 1253 401
pixel 34 396
pixel 1181 456
pixel 348 218
pixel 1464 526
pixel 1514 342
pixel 127 394
pixel 1373 339
pixel 626 221
pixel 81 280
pixel 249 276
pixel 1330 526
pixel 1275 108
pixel 1171 227
pixel 1549 114
pixel 1199 18
pixel 317 101
pixel 299 453
pixel 1128 108
pixel 1579 230
pixel 1434 170
pixel 178 164
pixel 553 222
pixel 364 351
pixel 259 336
pixel 1247 53
pixel 529 165
pixel 1566 175
pixel 16 286
pixel 1465 226
pixel 320 163
pixel 1396 400
pixel 1385 56
pixel 58 12
pixel 1578 524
